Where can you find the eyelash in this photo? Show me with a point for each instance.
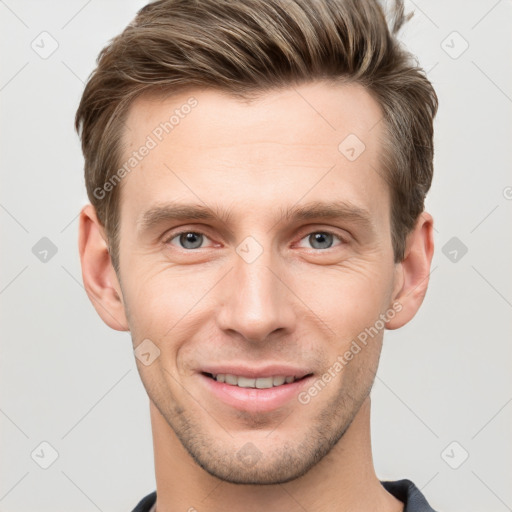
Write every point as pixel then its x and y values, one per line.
pixel 325 232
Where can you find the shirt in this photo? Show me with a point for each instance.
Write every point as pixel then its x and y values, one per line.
pixel 403 490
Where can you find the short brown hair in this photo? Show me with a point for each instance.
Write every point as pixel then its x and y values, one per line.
pixel 253 46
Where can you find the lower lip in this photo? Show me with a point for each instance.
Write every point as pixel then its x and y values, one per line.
pixel 254 399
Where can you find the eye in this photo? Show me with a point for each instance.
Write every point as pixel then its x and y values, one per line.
pixel 321 239
pixel 188 240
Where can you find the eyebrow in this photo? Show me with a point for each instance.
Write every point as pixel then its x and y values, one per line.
pixel 329 210
pixel 171 211
pixel 333 210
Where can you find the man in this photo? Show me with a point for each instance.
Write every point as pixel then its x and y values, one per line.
pixel 257 172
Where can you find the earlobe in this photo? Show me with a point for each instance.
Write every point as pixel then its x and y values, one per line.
pixel 413 272
pixel 98 274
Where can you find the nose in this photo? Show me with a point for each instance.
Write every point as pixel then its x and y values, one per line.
pixel 257 302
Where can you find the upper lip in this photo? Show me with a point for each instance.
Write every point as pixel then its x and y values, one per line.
pixel 271 370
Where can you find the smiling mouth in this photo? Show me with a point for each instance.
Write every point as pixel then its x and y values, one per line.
pixel 254 382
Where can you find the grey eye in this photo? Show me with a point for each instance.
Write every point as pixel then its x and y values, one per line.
pixel 321 240
pixel 191 240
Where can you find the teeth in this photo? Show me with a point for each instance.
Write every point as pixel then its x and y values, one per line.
pixel 244 382
pixel 263 382
pixel 279 380
pixel 259 383
pixel 231 379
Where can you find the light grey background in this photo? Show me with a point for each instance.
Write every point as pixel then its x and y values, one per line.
pixel 70 381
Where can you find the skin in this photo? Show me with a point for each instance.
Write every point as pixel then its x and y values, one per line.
pixel 300 302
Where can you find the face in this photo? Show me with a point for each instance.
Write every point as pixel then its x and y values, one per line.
pixel 254 244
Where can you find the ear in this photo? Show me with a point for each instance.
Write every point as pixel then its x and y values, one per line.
pixel 413 272
pixel 98 274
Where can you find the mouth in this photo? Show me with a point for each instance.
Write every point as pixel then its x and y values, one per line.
pixel 255 394
pixel 272 381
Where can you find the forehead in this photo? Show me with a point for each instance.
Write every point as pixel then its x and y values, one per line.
pixel 317 139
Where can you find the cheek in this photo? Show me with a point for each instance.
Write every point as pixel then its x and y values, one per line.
pixel 163 301
pixel 348 298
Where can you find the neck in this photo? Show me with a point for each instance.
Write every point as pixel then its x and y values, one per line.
pixel 342 481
